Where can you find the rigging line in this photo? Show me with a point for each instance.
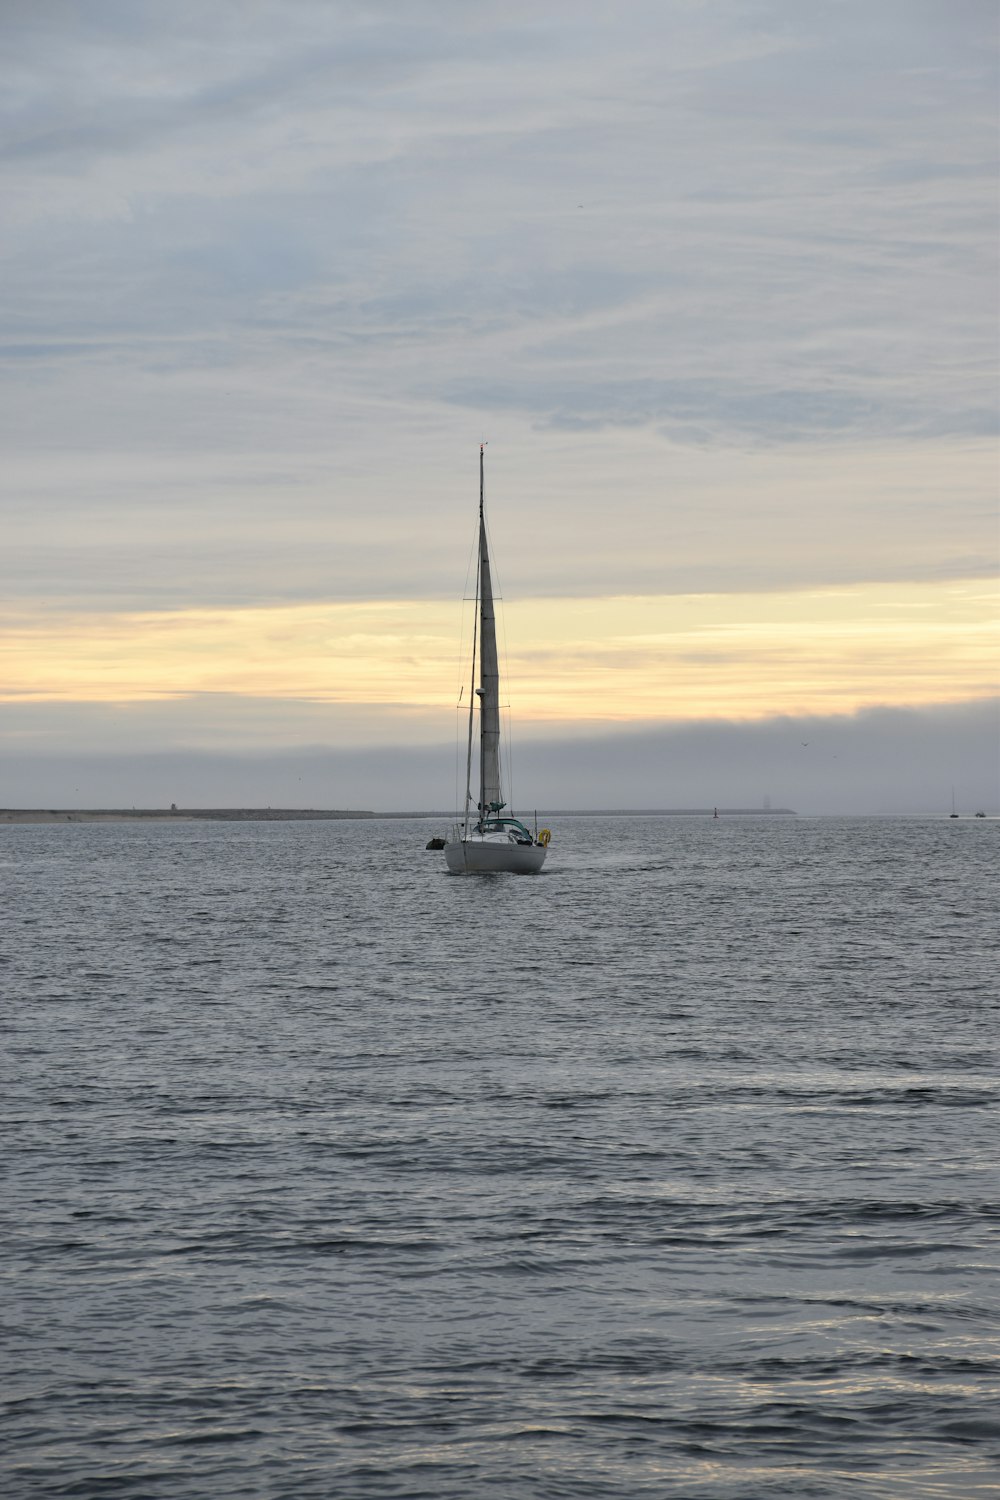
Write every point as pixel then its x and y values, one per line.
pixel 459 739
pixel 466 599
pixel 459 678
pixel 459 764
pixel 472 703
pixel 510 759
pixel 505 752
pixel 507 716
pixel 507 706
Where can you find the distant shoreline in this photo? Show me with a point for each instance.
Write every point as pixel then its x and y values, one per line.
pixel 172 815
pixel 311 814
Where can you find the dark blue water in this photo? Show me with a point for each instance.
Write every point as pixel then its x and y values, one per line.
pixel 670 1172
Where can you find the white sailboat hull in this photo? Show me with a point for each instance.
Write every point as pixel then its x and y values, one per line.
pixel 486 856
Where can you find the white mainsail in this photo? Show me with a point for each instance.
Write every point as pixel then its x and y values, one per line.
pixel 490 795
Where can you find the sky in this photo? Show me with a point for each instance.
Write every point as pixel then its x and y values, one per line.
pixel 716 283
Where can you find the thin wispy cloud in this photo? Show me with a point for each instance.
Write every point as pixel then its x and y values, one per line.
pixel 725 226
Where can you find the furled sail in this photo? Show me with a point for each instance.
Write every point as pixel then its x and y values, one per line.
pixel 490 796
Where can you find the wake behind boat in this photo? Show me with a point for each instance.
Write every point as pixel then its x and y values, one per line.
pixel 485 842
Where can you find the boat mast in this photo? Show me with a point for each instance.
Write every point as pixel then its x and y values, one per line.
pixel 481 586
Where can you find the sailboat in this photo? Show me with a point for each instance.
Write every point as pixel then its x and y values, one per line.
pixel 486 842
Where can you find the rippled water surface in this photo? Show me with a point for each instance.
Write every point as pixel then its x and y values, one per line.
pixel 670 1172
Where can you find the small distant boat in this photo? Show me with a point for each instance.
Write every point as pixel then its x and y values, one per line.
pixel 486 842
pixel 953 813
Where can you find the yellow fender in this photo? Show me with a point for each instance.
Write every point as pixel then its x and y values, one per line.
pixel 543 837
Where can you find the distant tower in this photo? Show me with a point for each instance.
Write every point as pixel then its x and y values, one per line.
pixel 767 803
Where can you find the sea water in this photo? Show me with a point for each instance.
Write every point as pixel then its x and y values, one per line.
pixel 669 1172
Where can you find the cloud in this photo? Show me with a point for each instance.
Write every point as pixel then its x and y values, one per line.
pixel 900 761
pixel 605 658
pixel 716 281
pixel 697 411
pixel 572 515
pixel 666 192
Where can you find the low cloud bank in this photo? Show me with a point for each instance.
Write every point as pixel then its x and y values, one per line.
pixel 880 761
